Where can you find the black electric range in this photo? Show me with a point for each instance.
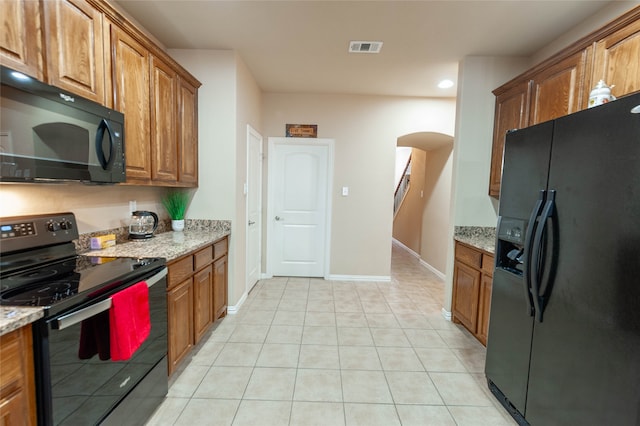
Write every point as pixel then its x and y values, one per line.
pixel 75 382
pixel 39 265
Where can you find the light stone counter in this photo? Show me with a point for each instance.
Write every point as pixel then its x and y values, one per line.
pixel 481 237
pixel 14 317
pixel 170 245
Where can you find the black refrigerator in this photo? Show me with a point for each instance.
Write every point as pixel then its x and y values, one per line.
pixel 564 334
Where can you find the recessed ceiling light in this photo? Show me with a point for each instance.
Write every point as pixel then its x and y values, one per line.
pixel 445 84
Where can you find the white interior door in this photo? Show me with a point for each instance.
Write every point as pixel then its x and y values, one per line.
pixel 299 206
pixel 254 207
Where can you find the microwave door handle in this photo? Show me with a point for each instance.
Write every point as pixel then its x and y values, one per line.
pixel 102 127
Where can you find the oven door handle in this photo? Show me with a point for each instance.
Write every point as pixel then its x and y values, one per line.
pixel 81 315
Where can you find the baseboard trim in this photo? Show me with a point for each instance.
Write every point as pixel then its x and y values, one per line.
pixel 432 269
pixel 422 262
pixel 377 278
pixel 446 314
pixel 232 310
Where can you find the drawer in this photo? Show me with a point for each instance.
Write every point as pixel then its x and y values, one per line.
pixel 220 248
pixel 202 258
pixel 179 270
pixel 487 264
pixel 468 255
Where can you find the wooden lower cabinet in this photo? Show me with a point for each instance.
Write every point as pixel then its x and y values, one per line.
pixel 17 386
pixel 180 314
pixel 202 301
pixel 220 287
pixel 196 297
pixel 466 289
pixel 472 282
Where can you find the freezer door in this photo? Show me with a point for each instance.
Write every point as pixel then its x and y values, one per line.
pixel 525 169
pixel 585 360
pixel 526 161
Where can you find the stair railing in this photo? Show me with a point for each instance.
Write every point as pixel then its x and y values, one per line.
pixel 402 188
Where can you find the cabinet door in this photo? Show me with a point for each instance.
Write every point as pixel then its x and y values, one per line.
pixel 466 287
pixel 202 301
pixel 131 97
pixel 616 60
pixel 512 112
pixel 75 48
pixel 17 391
pixel 20 37
pixel 188 134
pixel 180 314
pixel 558 90
pixel 164 145
pixel 220 287
pixel 484 308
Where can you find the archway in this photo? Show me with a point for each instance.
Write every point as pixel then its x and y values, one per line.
pixel 422 222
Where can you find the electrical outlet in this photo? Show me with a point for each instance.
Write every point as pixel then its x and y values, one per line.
pixel 132 206
pixel 345 191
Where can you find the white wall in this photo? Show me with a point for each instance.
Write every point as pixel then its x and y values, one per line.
pixel 471 205
pixel 436 215
pixel 248 112
pixel 96 207
pixel 228 100
pixel 216 70
pixel 365 129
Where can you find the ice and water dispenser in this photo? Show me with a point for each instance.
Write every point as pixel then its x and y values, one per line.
pixel 510 245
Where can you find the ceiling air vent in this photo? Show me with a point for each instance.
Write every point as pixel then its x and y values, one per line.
pixel 365 46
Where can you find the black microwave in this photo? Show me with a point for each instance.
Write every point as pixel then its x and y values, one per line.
pixel 48 135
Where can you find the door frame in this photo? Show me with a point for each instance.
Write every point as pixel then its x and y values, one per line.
pixel 272 142
pixel 251 132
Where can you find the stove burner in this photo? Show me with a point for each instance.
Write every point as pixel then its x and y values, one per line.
pixel 34 275
pixel 41 295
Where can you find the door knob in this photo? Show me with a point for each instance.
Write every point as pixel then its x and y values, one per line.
pixel 251 222
pixel 279 218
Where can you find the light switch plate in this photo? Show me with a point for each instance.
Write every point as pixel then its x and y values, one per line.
pixel 345 191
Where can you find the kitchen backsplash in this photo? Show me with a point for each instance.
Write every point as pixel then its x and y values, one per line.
pixel 83 243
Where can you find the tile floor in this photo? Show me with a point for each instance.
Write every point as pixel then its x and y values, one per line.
pixel 306 351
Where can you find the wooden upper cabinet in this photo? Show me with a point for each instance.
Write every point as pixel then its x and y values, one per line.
pixel 512 112
pixel 131 89
pixel 75 47
pixel 164 144
pixel 188 133
pixel 87 48
pixel 617 60
pixel 21 37
pixel 558 90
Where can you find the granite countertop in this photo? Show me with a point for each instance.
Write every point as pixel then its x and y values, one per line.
pixel 14 317
pixel 170 245
pixel 481 237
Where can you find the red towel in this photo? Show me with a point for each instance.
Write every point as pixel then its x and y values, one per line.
pixel 129 320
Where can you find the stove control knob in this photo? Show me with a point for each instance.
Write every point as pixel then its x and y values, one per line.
pixel 53 226
pixel 65 224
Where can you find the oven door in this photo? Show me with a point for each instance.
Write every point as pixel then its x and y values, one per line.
pixel 75 388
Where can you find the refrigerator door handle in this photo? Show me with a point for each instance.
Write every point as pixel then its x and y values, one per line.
pixel 536 256
pixel 528 243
